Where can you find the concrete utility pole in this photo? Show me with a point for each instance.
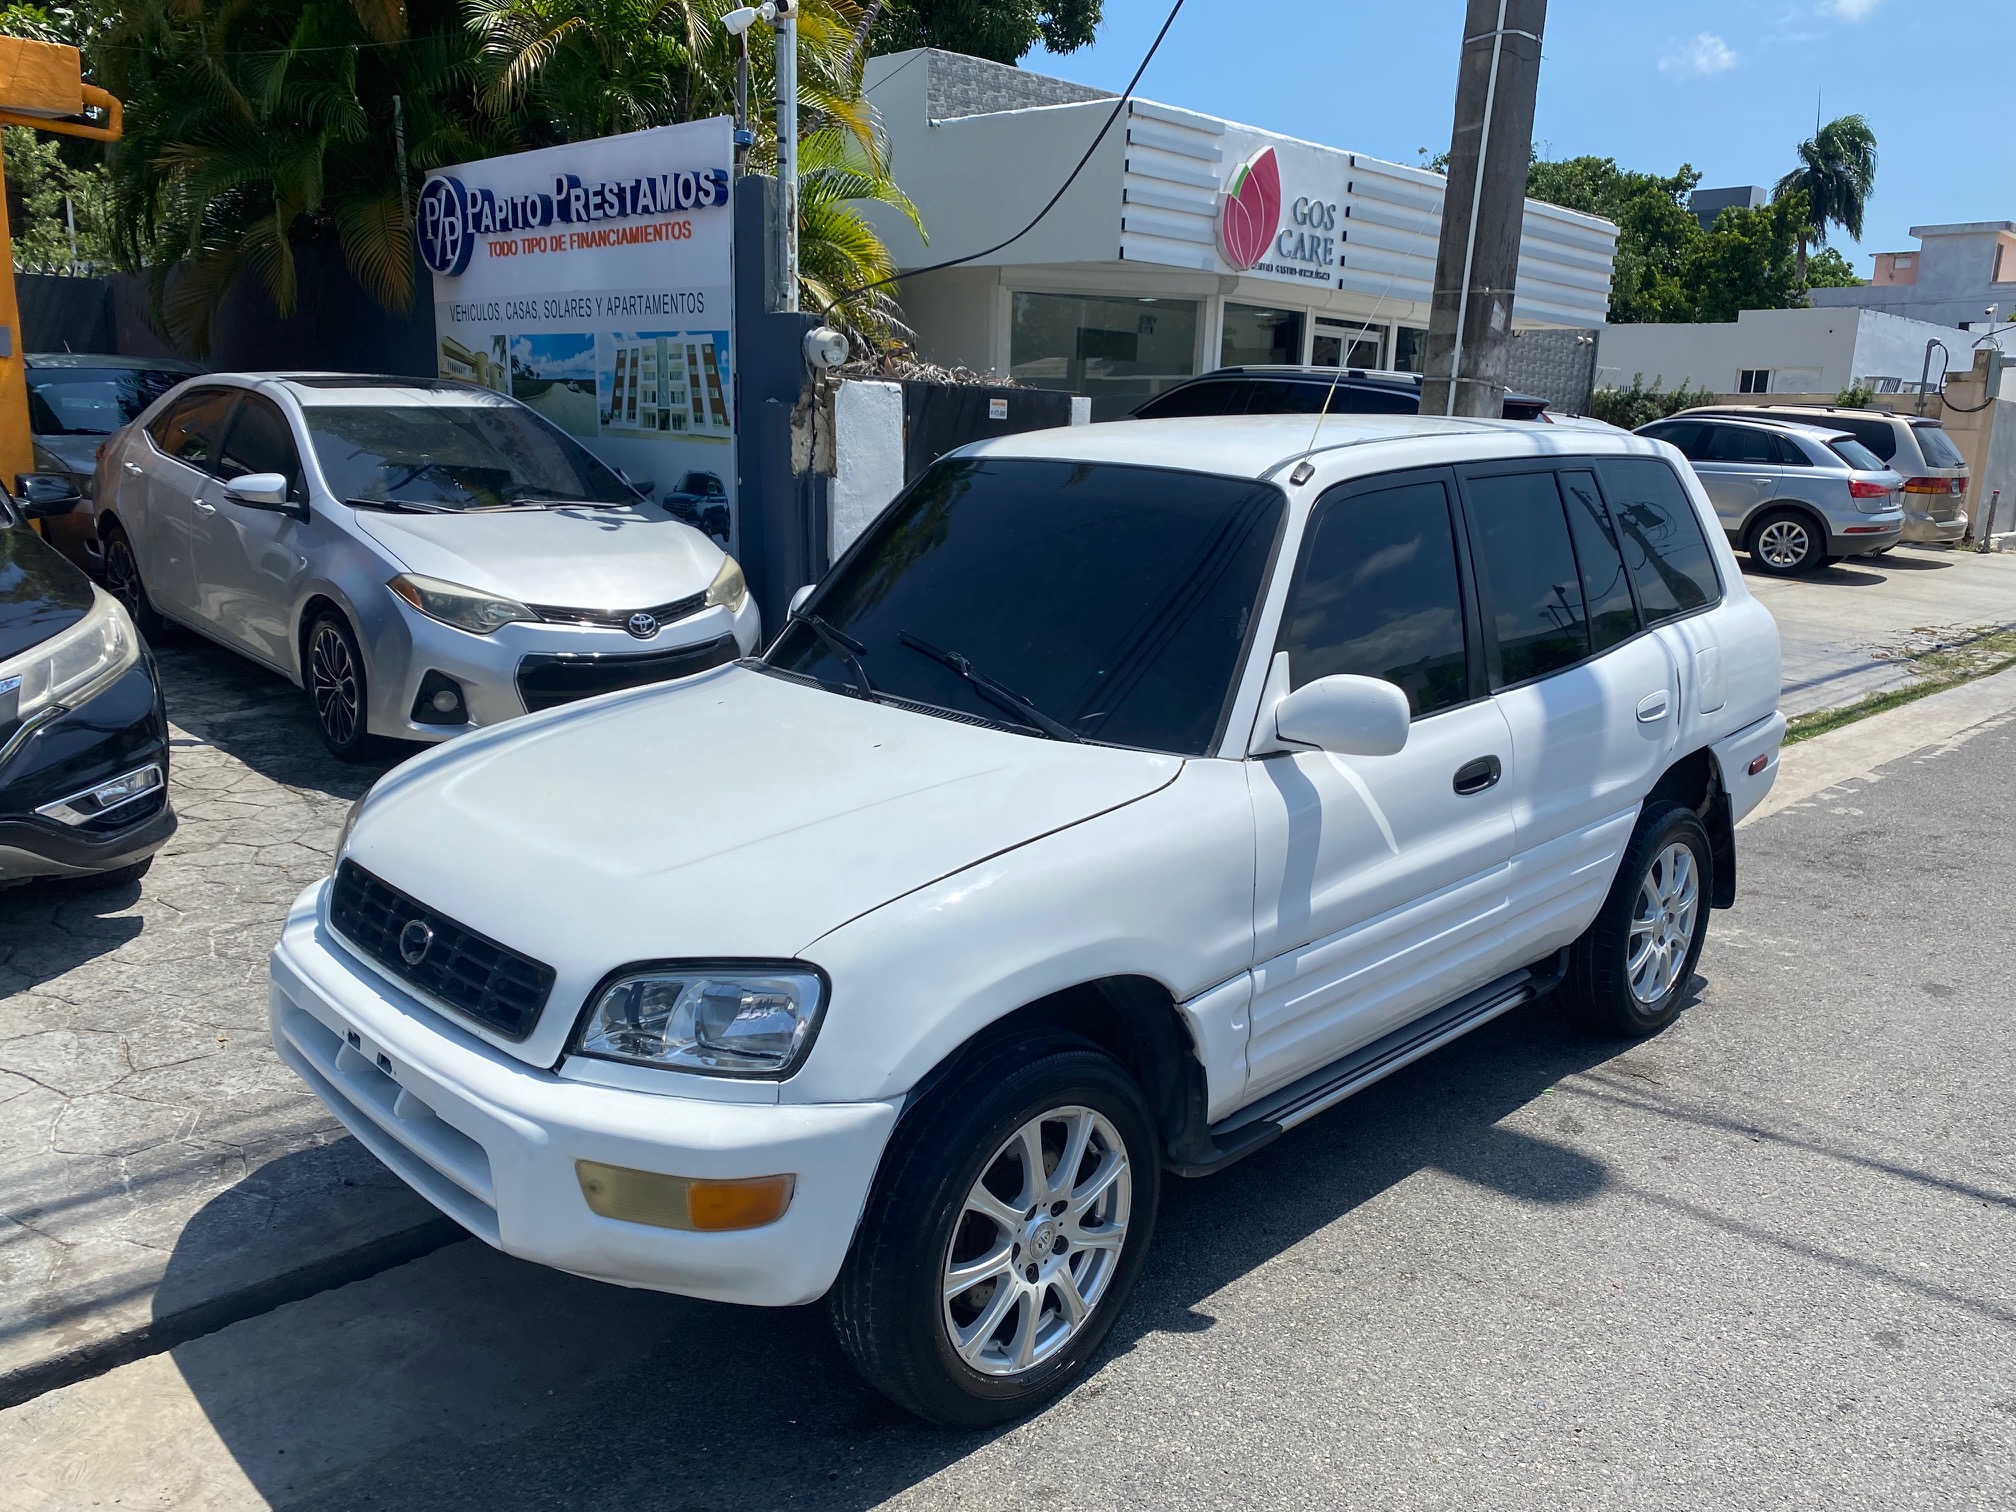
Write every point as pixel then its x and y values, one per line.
pixel 1477 263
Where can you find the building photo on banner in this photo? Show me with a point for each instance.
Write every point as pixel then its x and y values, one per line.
pixel 592 282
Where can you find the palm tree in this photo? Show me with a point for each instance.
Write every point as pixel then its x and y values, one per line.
pixel 1837 172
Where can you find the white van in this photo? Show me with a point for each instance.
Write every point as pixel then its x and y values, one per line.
pixel 1125 796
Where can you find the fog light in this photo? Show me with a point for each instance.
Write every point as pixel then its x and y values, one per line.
pixel 93 803
pixel 439 701
pixel 693 1204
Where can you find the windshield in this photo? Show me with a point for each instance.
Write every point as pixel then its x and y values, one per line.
pixel 1111 601
pixel 1938 447
pixel 1856 455
pixel 454 456
pixel 92 401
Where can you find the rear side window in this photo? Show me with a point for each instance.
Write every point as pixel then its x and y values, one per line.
pixel 1737 443
pixel 1938 447
pixel 1527 576
pixel 1378 595
pixel 1790 452
pixel 1880 436
pixel 1684 434
pixel 261 443
pixel 1856 455
pixel 191 428
pixel 1354 399
pixel 1606 587
pixel 1664 549
pixel 1274 396
pixel 1195 399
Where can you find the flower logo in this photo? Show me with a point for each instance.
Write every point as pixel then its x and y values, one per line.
pixel 1252 210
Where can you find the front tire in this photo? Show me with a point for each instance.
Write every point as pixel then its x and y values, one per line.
pixel 122 581
pixel 1786 543
pixel 1006 1229
pixel 1629 972
pixel 333 673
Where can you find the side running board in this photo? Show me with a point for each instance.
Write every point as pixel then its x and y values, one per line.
pixel 1263 1122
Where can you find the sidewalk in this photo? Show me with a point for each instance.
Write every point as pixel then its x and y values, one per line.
pixel 157 1163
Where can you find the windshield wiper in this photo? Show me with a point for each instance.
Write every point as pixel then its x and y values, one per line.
pixel 842 645
pixel 398 506
pixel 999 694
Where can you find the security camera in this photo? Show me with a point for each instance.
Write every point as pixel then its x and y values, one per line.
pixel 825 349
pixel 786 10
pixel 736 22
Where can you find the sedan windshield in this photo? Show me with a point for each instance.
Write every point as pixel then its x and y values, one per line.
pixel 92 401
pixel 454 456
pixel 1072 600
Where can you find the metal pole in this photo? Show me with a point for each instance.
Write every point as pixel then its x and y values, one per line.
pixel 787 157
pixel 1986 540
pixel 742 137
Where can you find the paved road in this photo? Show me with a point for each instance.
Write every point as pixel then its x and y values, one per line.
pixel 1765 1260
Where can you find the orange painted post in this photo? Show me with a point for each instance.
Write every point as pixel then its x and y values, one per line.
pixel 17 443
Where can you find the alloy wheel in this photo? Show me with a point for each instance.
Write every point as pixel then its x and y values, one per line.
pixel 122 576
pixel 1037 1242
pixel 332 675
pixel 1662 925
pixel 1784 543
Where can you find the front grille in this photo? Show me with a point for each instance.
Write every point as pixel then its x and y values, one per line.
pixel 619 619
pixel 491 983
pixel 557 678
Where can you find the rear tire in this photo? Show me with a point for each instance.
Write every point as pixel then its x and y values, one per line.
pixel 1629 972
pixel 1047 1258
pixel 338 694
pixel 122 581
pixel 1786 543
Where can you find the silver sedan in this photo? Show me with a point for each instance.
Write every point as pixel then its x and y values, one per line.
pixel 421 557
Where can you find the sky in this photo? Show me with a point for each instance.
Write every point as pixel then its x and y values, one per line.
pixel 1729 86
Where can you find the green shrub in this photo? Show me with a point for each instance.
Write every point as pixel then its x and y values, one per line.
pixel 1639 405
pixel 1856 396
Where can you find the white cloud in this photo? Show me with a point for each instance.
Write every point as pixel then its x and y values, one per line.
pixel 1852 10
pixel 1705 54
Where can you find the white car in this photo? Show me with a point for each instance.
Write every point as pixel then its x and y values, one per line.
pixel 422 557
pixel 1125 796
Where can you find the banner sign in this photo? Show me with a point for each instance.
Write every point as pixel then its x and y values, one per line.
pixel 593 282
pixel 1279 209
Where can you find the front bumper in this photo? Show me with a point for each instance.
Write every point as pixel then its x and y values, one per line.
pixel 492 1142
pixel 122 728
pixel 406 645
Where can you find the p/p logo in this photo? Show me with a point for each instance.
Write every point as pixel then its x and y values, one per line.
pixel 445 237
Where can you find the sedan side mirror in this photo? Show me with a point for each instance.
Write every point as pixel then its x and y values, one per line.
pixel 261 490
pixel 798 598
pixel 1346 714
pixel 43 496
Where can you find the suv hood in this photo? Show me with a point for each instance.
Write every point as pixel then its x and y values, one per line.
pixel 734 814
pixel 575 558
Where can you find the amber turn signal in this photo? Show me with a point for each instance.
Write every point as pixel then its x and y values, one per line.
pixel 683 1202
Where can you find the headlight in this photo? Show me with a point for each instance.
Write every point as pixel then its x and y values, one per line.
pixel 464 608
pixel 349 823
pixel 727 1020
pixel 728 586
pixel 74 664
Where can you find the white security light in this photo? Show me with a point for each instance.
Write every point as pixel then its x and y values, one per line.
pixel 739 21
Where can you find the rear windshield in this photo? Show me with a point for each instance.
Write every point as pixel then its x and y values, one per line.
pixel 1114 600
pixel 92 401
pixel 1856 455
pixel 1938 447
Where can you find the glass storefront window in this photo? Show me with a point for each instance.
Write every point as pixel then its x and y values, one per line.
pixel 1117 351
pixel 1343 344
pixel 1254 334
pixel 1410 349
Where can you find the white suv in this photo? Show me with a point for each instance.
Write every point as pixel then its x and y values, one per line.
pixel 1124 797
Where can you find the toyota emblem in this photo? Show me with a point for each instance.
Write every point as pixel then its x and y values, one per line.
pixel 415 940
pixel 642 625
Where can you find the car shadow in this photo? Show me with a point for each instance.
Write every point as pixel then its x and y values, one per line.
pixel 218 698
pixel 53 926
pixel 481 1382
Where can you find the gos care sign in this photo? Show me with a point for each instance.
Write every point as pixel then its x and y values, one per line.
pixel 592 282
pixel 1279 215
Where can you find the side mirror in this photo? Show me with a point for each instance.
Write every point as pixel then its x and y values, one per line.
pixel 1349 715
pixel 262 490
pixel 43 496
pixel 798 598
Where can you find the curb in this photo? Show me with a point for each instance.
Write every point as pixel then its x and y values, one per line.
pixel 213 1313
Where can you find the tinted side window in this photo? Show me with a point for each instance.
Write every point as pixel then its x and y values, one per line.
pixel 192 427
pixel 1880 436
pixel 1378 595
pixel 261 443
pixel 1664 549
pixel 1351 399
pixel 1790 452
pixel 1274 396
pixel 1226 398
pixel 1685 434
pixel 1736 443
pixel 1527 577
pixel 1613 617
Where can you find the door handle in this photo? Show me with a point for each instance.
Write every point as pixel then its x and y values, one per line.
pixel 1652 708
pixel 1476 776
pixel 204 506
pixel 133 467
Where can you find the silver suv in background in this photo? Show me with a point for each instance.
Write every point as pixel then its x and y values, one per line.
pixel 1792 496
pixel 1918 450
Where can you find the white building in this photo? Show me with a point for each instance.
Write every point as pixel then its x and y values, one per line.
pixel 1816 351
pixel 1187 242
pixel 1958 274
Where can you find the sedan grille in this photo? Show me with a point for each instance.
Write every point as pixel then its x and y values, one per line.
pixel 619 619
pixel 557 678
pixel 491 983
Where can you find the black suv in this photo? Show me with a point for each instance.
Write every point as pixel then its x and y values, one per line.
pixel 83 730
pixel 1301 391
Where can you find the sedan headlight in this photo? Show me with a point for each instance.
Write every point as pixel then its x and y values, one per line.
pixel 750 1019
pixel 465 608
pixel 728 586
pixel 73 664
